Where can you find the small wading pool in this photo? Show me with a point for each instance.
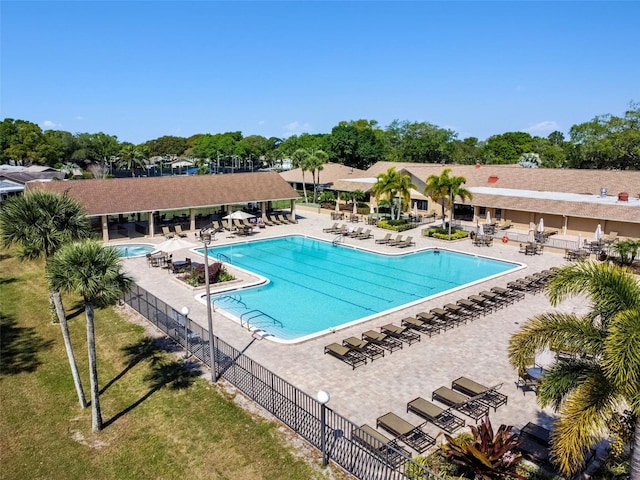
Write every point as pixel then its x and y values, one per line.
pixel 314 287
pixel 128 250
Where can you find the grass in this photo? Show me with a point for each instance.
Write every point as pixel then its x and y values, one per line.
pixel 160 422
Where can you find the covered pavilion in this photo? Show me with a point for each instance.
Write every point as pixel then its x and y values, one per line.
pixel 112 201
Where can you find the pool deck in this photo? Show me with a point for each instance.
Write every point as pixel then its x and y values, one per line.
pixel 476 350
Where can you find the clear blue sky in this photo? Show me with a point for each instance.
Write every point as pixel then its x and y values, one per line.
pixel 140 70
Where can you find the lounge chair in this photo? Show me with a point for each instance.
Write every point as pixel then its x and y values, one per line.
pixel 283 220
pixel 493 299
pixel 410 434
pixel 470 407
pixel 533 442
pixel 458 313
pixel 382 340
pixel 346 354
pixel 488 395
pixel 267 221
pixel 167 233
pixel 331 228
pixel 407 242
pixel 421 326
pixel 367 348
pixel 355 233
pixel 179 231
pixel 473 308
pixel 385 239
pixel 384 448
pixel 364 235
pixel 431 412
pixel 508 294
pixel 395 241
pixel 506 225
pixel 402 333
pixel 447 319
pixel 274 220
pixel 430 318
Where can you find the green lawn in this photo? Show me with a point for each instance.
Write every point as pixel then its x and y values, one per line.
pixel 160 424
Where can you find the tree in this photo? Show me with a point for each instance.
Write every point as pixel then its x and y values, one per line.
pixel 93 272
pixel 355 143
pixel 298 160
pixel 436 188
pixel 95 147
pixel 604 374
pixel 507 147
pixel 418 142
pixel 132 156
pixel 315 163
pixel 23 142
pixel 391 184
pixel 40 222
pixel 455 190
pixel 166 145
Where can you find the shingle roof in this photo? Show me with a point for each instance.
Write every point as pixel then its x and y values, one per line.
pixel 127 195
pixel 329 173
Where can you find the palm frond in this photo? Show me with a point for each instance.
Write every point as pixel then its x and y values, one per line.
pixel 581 423
pixel 553 331
pixel 621 360
pixel 564 377
pixel 610 288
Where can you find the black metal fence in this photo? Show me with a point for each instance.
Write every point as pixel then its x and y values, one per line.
pixel 353 449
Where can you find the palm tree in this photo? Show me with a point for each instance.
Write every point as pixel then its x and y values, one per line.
pixel 604 376
pixel 391 184
pixel 40 222
pixel 132 156
pixel 93 272
pixel 314 162
pixel 436 188
pixel 298 160
pixel 455 190
pixel 404 192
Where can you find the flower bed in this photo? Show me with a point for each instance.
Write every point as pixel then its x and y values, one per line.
pixel 195 277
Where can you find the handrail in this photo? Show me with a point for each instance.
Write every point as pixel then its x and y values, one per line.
pixel 259 313
pixel 227 297
pixel 338 239
pixel 223 257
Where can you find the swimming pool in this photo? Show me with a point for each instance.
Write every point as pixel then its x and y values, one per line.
pixel 128 250
pixel 315 287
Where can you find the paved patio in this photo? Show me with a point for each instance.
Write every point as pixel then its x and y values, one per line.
pixel 476 350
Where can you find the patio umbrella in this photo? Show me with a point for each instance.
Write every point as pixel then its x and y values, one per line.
pixel 238 215
pixel 355 208
pixel 415 209
pixel 598 234
pixel 337 206
pixel 579 241
pixel 480 230
pixel 541 226
pixel 488 218
pixel 173 244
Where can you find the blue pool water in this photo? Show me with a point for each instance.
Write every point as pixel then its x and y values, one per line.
pixel 315 286
pixel 127 250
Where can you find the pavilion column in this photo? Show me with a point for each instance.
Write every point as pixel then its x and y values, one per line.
pixel 263 208
pixel 192 219
pixel 105 228
pixel 152 227
pixel 293 209
pixel 564 226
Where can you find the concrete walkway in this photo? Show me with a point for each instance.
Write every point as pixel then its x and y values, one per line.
pixel 476 350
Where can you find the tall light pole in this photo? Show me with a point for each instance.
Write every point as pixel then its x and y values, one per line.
pixel 185 312
pixel 323 397
pixel 206 240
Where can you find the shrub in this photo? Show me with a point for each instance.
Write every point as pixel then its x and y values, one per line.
pixel 396 225
pixel 217 274
pixel 443 233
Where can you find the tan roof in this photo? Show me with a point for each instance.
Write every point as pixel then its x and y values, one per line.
pixel 505 178
pixel 328 175
pixel 127 195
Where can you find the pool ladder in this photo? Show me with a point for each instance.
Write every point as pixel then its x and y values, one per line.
pixel 338 239
pixel 222 257
pixel 244 321
pixel 230 298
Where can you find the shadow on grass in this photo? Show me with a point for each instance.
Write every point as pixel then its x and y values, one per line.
pixel 145 349
pixel 76 310
pixel 173 374
pixel 20 347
